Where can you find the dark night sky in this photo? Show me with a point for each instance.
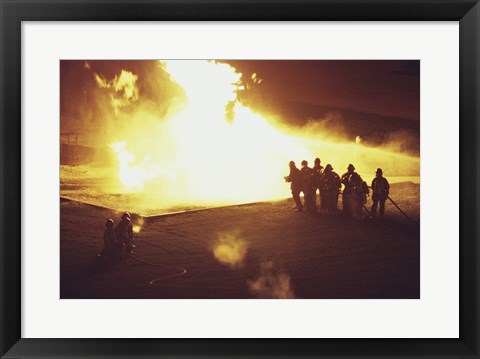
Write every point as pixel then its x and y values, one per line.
pixel 383 87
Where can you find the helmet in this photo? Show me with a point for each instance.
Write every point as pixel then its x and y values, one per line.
pixel 109 223
pixel 304 163
pixel 350 166
pixel 126 215
pixel 328 167
pixel 379 170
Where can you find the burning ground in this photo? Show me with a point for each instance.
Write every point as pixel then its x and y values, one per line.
pixel 262 250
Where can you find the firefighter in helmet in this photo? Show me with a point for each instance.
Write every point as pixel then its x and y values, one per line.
pixel 353 192
pixel 309 187
pixel 295 180
pixel 110 240
pixel 317 177
pixel 330 186
pixel 124 232
pixel 380 191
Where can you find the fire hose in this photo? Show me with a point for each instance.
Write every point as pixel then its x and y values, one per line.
pixel 394 203
pixel 402 212
pixel 181 270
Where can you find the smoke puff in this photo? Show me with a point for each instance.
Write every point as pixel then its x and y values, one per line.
pixel 272 284
pixel 230 250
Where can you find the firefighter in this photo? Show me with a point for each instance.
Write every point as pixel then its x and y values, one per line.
pixel 317 176
pixel 330 186
pixel 130 237
pixel 122 232
pixel 353 192
pixel 380 191
pixel 110 240
pixel 295 180
pixel 309 187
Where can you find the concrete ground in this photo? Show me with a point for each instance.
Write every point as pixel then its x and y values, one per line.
pixel 262 250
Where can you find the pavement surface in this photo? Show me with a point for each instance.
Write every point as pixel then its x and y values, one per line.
pixel 261 250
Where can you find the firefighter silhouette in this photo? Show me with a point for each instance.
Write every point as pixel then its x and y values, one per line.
pixel 317 177
pixel 124 232
pixel 354 192
pixel 295 180
pixel 309 187
pixel 380 190
pixel 330 186
pixel 110 240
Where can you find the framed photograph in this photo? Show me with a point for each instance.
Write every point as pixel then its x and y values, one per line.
pixel 241 179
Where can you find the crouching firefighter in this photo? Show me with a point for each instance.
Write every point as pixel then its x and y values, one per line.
pixel 110 239
pixel 124 232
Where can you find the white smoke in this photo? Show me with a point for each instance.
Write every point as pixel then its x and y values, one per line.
pixel 230 249
pixel 272 283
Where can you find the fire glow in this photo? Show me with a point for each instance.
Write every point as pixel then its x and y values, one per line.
pixel 209 147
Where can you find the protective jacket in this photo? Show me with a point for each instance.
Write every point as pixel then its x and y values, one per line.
pixel 317 175
pixel 330 181
pixel 109 238
pixel 295 178
pixel 380 188
pixel 352 182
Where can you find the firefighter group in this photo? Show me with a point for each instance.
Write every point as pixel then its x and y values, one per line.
pixel 118 240
pixel 329 184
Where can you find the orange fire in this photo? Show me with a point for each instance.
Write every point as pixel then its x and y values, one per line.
pixel 212 149
pixel 136 229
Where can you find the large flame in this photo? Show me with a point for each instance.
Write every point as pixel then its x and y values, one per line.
pixel 210 148
pixel 137 175
pixel 124 86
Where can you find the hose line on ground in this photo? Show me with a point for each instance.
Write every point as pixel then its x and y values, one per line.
pixel 181 270
pixel 395 204
pixel 402 212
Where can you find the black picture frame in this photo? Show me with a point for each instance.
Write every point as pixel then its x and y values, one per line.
pixel 13 12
